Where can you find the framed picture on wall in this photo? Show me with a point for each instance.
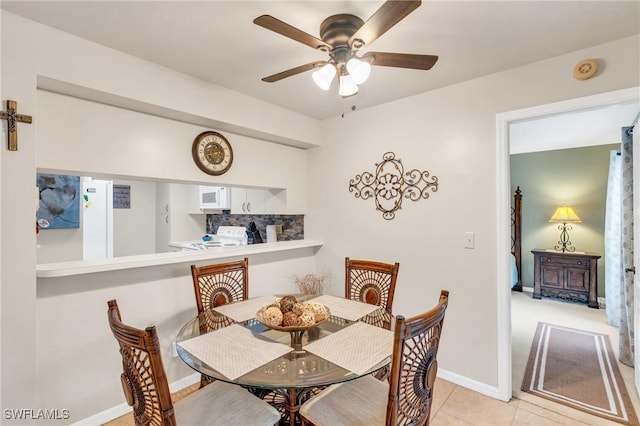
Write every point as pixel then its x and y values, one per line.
pixel 121 196
pixel 59 205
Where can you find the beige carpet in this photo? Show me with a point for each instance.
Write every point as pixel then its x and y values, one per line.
pixel 578 369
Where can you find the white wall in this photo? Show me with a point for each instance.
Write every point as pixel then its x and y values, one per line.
pixel 89 138
pixel 77 360
pixel 34 55
pixel 451 133
pixel 590 127
pixel 59 245
pixel 134 229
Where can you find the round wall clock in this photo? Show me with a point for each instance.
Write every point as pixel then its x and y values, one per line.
pixel 212 153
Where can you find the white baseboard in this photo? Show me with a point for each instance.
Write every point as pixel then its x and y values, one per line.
pixel 122 409
pixel 465 382
pixel 184 382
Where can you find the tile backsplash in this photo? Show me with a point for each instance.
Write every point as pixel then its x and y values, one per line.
pixel 292 225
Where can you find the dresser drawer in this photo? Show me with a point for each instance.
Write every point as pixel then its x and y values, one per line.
pixel 565 261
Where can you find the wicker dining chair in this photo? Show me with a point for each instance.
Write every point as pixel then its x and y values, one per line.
pixel 146 389
pixel 406 399
pixel 219 284
pixel 374 283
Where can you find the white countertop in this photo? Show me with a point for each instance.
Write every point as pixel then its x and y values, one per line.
pixel 61 269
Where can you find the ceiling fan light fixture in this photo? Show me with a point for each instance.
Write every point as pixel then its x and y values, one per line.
pixel 359 70
pixel 324 76
pixel 347 86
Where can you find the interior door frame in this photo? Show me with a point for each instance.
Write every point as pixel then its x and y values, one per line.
pixel 503 218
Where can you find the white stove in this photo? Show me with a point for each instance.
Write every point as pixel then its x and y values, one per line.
pixel 226 236
pixel 230 236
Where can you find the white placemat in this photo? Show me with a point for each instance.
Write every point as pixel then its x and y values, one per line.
pixel 351 310
pixel 234 351
pixel 358 347
pixel 245 310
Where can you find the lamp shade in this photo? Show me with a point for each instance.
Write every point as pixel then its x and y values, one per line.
pixel 324 76
pixel 565 214
pixel 347 86
pixel 358 70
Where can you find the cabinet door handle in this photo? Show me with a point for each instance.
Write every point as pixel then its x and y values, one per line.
pixel 243 207
pixel 166 208
pixel 166 218
pixel 248 207
pixel 579 262
pixel 632 269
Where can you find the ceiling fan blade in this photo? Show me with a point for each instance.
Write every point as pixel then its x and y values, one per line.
pixel 276 25
pixel 401 60
pixel 293 71
pixel 389 14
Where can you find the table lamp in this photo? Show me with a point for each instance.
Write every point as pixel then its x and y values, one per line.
pixel 564 215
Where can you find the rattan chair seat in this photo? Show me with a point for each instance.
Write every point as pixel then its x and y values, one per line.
pixel 224 404
pixel 362 401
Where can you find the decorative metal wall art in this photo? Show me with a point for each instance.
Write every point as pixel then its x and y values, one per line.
pixel 390 184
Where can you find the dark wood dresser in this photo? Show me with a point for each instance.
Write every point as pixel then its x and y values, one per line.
pixel 570 276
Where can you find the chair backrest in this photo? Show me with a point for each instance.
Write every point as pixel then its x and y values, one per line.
pixel 221 283
pixel 414 365
pixel 144 380
pixel 371 282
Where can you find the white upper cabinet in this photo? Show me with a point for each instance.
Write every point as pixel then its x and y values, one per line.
pixel 248 201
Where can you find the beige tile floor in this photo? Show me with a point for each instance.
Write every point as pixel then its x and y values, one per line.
pixel 455 405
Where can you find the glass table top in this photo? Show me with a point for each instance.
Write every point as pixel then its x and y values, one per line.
pixel 295 369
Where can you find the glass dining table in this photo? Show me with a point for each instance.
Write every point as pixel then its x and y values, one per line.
pixel 228 343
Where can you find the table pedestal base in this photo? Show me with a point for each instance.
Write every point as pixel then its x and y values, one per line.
pixel 287 401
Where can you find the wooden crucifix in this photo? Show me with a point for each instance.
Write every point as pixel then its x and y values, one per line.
pixel 12 129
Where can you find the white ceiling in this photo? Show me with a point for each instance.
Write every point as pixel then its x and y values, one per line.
pixel 217 40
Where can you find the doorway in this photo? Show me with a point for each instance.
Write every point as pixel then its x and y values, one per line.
pixel 503 198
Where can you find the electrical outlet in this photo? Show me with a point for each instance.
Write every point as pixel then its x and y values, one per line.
pixel 469 240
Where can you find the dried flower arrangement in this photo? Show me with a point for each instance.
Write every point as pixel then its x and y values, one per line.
pixel 313 283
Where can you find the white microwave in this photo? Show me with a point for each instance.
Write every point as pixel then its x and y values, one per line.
pixel 215 197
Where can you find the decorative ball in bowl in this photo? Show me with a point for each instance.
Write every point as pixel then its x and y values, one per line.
pixel 287 314
pixel 206 238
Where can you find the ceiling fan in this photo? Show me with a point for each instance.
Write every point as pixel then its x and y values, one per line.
pixel 342 36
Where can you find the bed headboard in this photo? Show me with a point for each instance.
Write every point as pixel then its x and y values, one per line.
pixel 516 235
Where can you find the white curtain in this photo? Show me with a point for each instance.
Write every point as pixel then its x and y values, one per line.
pixel 613 240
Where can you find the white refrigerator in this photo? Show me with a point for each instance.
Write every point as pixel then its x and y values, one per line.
pixel 97 218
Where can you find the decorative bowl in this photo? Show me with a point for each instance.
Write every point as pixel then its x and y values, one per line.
pixel 206 238
pixel 323 314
